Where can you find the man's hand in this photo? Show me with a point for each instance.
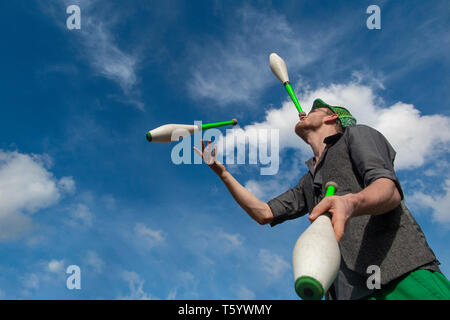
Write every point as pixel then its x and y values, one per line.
pixel 379 197
pixel 341 209
pixel 210 158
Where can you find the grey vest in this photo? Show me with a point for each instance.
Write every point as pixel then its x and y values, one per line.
pixel 393 241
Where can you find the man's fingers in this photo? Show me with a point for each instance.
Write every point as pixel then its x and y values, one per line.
pixel 333 205
pixel 207 154
pixel 208 149
pixel 339 227
pixel 322 207
pixel 214 150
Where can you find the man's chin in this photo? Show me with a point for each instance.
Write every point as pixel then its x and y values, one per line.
pixel 301 130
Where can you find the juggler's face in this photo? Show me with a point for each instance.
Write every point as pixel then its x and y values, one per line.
pixel 310 122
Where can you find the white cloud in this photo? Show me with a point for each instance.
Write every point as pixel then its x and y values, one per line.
pixel 67 184
pixel 439 204
pixel 26 186
pixel 417 139
pixel 25 183
pixel 149 237
pixel 272 264
pixel 56 266
pixel 412 135
pixel 236 68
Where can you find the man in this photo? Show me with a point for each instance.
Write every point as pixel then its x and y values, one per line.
pixel 370 220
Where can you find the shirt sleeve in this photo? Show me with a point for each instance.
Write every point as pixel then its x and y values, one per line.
pixel 372 155
pixel 289 205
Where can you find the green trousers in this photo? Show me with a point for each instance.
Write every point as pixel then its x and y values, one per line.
pixel 417 285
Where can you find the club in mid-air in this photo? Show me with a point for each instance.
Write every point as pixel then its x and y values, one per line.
pixel 316 256
pixel 173 132
pixel 278 67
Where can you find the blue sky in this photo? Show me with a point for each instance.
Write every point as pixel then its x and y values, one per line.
pixel 80 185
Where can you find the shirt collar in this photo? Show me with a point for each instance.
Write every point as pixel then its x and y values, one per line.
pixel 328 141
pixel 333 138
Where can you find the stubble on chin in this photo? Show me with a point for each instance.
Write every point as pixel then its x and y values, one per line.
pixel 300 130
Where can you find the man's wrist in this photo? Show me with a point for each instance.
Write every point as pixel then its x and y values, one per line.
pixel 355 200
pixel 218 169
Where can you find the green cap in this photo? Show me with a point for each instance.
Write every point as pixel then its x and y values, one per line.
pixel 344 115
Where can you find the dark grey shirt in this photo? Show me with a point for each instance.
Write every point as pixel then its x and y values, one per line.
pixel 372 157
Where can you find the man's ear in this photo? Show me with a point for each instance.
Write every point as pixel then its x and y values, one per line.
pixel 331 118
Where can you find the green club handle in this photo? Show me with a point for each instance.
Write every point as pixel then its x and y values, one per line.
pixel 219 124
pixel 331 188
pixel 291 92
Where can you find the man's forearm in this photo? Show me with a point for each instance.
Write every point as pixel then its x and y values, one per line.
pixel 256 209
pixel 379 197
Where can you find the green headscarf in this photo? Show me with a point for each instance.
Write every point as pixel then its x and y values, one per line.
pixel 344 115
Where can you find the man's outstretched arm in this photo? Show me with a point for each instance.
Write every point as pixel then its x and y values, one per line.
pixel 255 208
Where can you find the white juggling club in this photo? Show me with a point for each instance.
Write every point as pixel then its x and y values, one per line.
pixel 316 256
pixel 173 132
pixel 279 69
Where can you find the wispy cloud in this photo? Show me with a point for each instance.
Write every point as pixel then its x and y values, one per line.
pixel 44 273
pixel 186 285
pixel 135 285
pixel 236 69
pixel 232 240
pixel 93 261
pixel 272 264
pixel 99 46
pixel 268 188
pixel 80 216
pixel 147 236
pixel 244 293
pixel 30 283
pixel 427 41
